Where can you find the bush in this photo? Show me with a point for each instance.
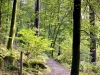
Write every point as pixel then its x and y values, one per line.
pixel 32 44
pixel 25 63
pixel 37 63
pixel 9 59
pixel 11 67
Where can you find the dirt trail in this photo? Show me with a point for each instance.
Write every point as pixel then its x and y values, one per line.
pixel 57 69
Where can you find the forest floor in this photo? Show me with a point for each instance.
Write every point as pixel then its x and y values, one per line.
pixel 57 68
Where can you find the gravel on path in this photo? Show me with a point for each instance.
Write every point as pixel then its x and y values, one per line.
pixel 57 68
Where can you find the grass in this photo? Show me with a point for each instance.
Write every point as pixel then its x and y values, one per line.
pixel 8 73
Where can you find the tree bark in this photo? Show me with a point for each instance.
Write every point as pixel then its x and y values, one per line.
pixel 92 35
pixel 37 7
pixel 76 37
pixel 12 27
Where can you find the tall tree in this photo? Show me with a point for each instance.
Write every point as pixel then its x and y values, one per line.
pixel 76 37
pixel 12 27
pixel 92 35
pixel 55 20
pixel 37 5
pixel 56 29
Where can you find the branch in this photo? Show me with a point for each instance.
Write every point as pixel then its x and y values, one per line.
pixel 93 9
pixel 85 32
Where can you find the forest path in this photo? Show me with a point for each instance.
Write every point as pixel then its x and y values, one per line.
pixel 57 68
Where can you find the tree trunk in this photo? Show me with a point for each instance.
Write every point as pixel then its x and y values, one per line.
pixel 37 6
pixel 92 35
pixel 21 62
pixel 76 37
pixel 12 27
pixel 59 51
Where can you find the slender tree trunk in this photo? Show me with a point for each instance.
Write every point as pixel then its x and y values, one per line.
pixel 8 10
pixel 37 6
pixel 21 62
pixel 59 52
pixel 59 48
pixel 76 37
pixel 12 28
pixel 92 35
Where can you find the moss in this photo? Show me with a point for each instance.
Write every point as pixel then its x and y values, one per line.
pixel 1 63
pixel 46 71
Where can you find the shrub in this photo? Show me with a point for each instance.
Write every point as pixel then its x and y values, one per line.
pixel 32 44
pixel 9 59
pixel 37 63
pixel 11 67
